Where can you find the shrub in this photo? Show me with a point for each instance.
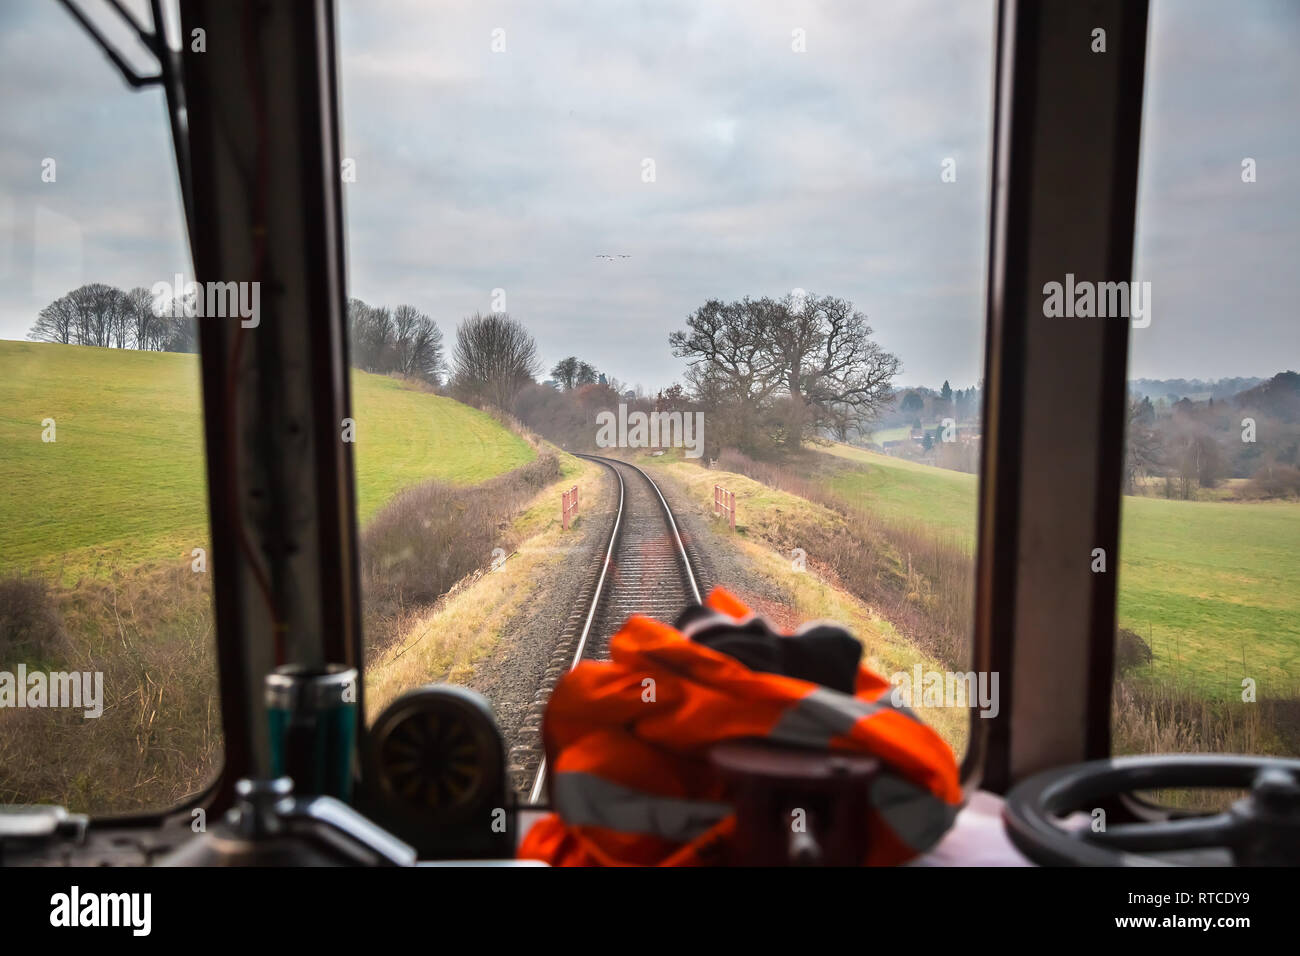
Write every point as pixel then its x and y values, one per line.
pixel 1130 651
pixel 919 578
pixel 1273 481
pixel 432 535
pixel 31 627
pixel 148 631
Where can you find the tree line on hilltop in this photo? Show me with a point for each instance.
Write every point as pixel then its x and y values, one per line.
pixel 768 372
pixel 105 316
pixel 1176 448
pixel 494 354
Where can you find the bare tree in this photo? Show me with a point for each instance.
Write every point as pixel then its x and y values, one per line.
pixel 405 319
pixel 98 308
pixel 809 363
pixel 92 314
pixel 835 374
pixel 495 358
pixel 419 347
pixel 56 322
pixel 180 333
pixel 403 340
pixel 1143 454
pixel 120 322
pixel 143 325
pixel 1198 458
pixel 370 330
pixel 727 350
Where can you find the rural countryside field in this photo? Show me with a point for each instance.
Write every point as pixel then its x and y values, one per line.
pixel 1214 587
pixel 123 483
pixel 98 531
pixel 103 520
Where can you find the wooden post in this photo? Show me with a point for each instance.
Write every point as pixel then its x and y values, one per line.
pixel 732 509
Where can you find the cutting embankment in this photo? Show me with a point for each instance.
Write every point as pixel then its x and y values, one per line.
pixel 1209 591
pixel 105 505
pixel 122 483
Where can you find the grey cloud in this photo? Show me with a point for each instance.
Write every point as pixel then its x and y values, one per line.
pixel 478 171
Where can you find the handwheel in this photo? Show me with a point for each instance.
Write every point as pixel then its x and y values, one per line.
pixel 436 755
pixel 1263 829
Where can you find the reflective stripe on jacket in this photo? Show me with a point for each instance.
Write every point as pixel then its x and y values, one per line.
pixel 627 743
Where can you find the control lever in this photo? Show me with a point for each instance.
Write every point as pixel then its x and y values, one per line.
pixel 269 826
pixel 796 807
pixel 24 828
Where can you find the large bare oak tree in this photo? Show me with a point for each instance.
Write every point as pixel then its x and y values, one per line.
pixel 794 367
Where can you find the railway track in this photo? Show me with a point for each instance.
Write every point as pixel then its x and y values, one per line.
pixel 646 569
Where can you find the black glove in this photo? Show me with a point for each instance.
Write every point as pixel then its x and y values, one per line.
pixel 824 654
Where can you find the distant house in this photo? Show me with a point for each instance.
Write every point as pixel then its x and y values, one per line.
pixel 629 395
pixel 918 434
pixel 552 383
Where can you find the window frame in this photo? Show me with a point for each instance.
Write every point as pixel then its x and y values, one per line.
pixel 1067 126
pixel 1039 90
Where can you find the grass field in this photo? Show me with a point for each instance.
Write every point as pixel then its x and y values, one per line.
pixel 447 640
pixel 123 483
pixel 891 434
pixel 1214 587
pixel 904 490
pixel 767 519
pixel 406 436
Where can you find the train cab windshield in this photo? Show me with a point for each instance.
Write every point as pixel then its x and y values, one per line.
pixel 726 434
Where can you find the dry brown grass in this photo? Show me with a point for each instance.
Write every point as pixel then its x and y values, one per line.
pixel 433 535
pixel 149 631
pixel 445 640
pixel 31 627
pixel 1163 717
pixel 919 578
pixel 921 581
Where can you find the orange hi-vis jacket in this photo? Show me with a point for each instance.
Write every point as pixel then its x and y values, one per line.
pixel 627 743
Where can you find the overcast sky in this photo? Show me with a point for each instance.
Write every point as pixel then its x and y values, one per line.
pixel 479 170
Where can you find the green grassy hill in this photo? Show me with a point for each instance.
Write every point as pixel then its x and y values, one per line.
pixel 1213 586
pixel 123 483
pixel 883 435
pixel 905 490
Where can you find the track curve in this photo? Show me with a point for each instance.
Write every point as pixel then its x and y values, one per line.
pixel 646 570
